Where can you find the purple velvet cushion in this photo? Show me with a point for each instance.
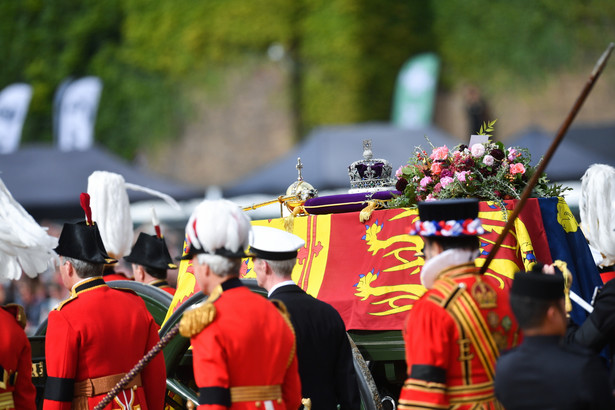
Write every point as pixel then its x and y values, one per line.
pixel 335 204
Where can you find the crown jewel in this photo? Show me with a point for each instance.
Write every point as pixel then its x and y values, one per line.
pixel 368 174
pixel 300 190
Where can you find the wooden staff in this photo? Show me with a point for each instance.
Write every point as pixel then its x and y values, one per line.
pixel 547 157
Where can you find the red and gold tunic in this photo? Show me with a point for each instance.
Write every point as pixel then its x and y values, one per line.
pixel 92 340
pixel 163 285
pixel 16 388
pixel 245 358
pixel 453 336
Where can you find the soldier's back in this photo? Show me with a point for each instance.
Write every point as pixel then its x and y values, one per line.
pixel 543 374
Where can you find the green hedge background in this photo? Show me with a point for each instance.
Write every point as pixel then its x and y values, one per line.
pixel 343 55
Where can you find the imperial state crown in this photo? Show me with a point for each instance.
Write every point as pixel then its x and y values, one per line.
pixel 368 174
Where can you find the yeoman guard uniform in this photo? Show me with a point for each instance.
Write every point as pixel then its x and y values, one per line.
pixel 97 335
pixel 455 331
pixel 243 346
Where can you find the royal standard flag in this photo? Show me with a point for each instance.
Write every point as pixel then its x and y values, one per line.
pixel 370 271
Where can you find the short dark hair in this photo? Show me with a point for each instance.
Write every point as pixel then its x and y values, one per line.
pixel 157 273
pixel 454 242
pixel 530 312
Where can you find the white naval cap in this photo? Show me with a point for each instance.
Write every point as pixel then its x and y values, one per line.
pixel 274 244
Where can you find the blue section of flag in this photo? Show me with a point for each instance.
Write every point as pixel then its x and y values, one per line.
pixel 572 248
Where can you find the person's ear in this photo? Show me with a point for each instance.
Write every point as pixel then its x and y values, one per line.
pixel 70 269
pixel 142 272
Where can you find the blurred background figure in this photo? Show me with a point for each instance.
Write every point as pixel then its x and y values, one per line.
pixel 476 109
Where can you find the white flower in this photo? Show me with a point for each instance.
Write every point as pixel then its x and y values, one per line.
pixel 478 150
pixel 488 160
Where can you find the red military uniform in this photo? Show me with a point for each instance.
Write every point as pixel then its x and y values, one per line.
pixel 245 358
pixel 453 336
pixel 163 285
pixel 93 339
pixel 110 274
pixel 16 388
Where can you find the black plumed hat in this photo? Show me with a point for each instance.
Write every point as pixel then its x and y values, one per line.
pixel 82 240
pixel 151 251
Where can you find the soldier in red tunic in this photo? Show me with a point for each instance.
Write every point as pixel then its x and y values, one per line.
pixel 16 388
pixel 243 347
pixel 454 333
pixel 97 335
pixel 150 260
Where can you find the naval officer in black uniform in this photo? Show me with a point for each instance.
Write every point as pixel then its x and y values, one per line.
pixel 326 366
pixel 543 373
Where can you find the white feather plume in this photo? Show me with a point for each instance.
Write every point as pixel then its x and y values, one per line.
pixel 167 198
pixel 111 211
pixel 597 210
pixel 24 244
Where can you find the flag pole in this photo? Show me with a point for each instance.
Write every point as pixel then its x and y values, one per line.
pixel 547 157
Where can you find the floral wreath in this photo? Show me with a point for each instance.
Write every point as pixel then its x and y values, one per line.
pixel 487 171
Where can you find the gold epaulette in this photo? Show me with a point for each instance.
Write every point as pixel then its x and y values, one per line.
pixel 197 319
pixel 64 302
pixel 17 311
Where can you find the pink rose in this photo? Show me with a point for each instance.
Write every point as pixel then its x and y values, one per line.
pixel 488 160
pixel 478 150
pixel 445 181
pixel 436 168
pixel 461 175
pixel 437 187
pixel 425 181
pixel 398 173
pixel 517 169
pixel 439 153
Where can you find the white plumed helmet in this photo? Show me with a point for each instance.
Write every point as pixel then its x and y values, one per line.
pixel 597 210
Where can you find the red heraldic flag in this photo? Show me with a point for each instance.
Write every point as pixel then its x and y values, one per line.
pixel 370 272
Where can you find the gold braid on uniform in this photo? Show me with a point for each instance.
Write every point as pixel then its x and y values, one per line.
pixel 284 312
pixel 197 319
pixel 563 267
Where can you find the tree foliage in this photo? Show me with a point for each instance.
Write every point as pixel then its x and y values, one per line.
pixel 342 56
